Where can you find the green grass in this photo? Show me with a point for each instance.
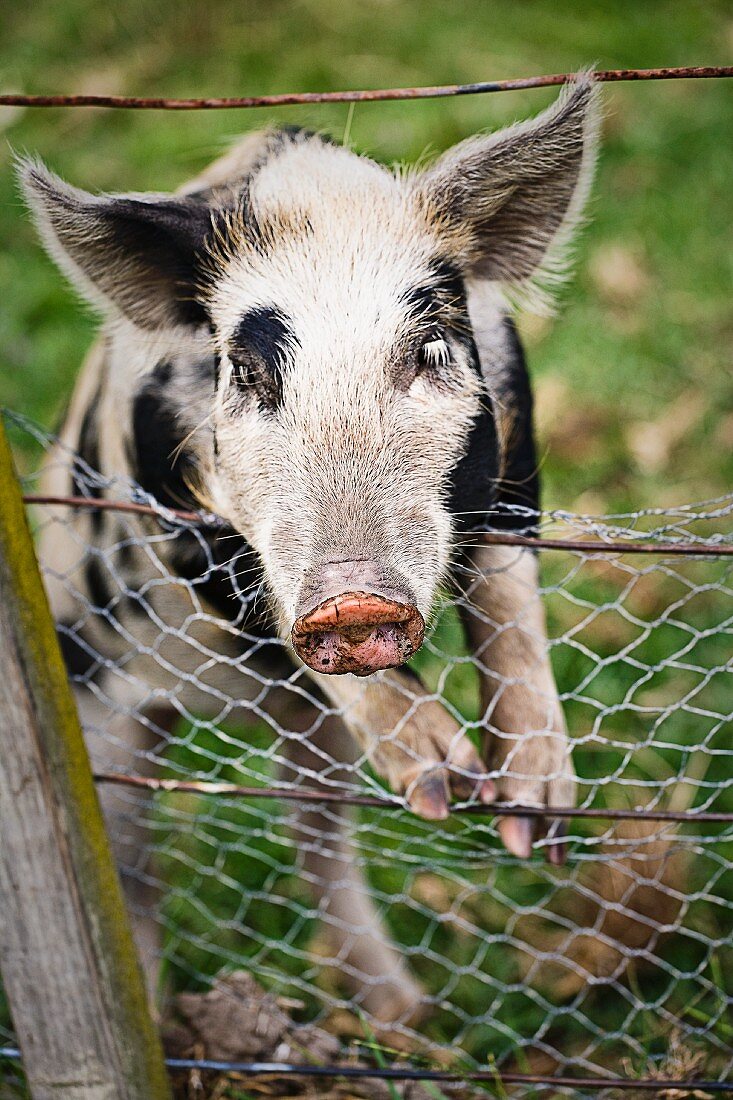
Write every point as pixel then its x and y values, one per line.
pixel 618 360
pixel 635 409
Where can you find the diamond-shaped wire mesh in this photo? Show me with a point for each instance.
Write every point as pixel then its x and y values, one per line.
pixel 619 962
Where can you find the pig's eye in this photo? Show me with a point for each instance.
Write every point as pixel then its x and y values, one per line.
pixel 252 374
pixel 259 351
pixel 434 354
pixel 429 357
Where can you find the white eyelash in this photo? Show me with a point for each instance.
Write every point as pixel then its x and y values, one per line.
pixel 436 353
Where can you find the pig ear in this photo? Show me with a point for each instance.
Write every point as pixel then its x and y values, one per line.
pixel 511 201
pixel 137 255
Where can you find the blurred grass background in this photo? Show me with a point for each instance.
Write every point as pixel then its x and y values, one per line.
pixel 634 382
pixel 635 389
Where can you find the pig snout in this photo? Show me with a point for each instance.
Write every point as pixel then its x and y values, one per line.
pixel 355 628
pixel 358 632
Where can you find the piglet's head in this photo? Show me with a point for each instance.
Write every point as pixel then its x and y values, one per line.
pixel 348 425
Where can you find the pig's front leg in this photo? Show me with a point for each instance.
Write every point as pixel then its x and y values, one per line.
pixel 525 735
pixel 409 739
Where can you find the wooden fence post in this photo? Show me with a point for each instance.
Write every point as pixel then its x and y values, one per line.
pixel 67 957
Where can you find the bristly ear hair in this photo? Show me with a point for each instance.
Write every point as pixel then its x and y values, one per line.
pixel 134 254
pixel 508 204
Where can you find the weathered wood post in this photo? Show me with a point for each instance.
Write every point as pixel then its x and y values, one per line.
pixel 67 957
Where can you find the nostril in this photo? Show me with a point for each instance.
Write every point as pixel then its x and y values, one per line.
pixel 323 650
pixel 358 632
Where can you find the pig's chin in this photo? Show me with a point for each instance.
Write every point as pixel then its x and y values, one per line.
pixel 360 633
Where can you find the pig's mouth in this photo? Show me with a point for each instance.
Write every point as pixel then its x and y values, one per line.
pixel 358 632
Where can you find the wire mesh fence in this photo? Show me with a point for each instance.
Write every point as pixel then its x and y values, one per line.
pixel 334 932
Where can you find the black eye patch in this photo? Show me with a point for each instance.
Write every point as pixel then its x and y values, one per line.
pixel 267 332
pixel 448 283
pixel 436 307
pixel 422 303
pixel 441 299
pixel 260 349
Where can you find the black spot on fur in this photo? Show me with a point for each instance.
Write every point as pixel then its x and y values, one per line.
pixel 520 484
pixel 207 561
pixel 101 595
pixel 449 283
pixel 210 563
pixel 156 437
pixel 82 472
pixel 473 482
pixel 162 372
pixel 265 330
pixel 421 302
pixel 284 136
pixel 125 556
pixel 473 488
pixel 444 292
pixel 82 663
pixel 259 350
pixel 284 133
pixel 450 287
pixel 442 303
pixel 88 452
pixel 226 575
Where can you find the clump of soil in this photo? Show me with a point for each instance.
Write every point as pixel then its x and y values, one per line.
pixel 239 1021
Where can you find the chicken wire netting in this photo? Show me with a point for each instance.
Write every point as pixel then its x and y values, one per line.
pixel 618 963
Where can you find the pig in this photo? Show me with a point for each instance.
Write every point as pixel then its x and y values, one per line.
pixel 321 351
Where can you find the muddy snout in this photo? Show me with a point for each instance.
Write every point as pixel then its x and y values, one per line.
pixel 358 632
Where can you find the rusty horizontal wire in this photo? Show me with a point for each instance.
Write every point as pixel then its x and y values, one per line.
pixel 585 546
pixel 348 798
pixel 368 95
